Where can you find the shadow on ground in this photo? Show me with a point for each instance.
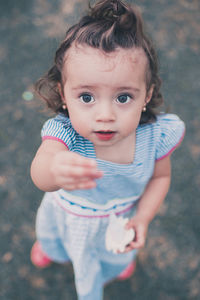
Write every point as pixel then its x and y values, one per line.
pixel 168 267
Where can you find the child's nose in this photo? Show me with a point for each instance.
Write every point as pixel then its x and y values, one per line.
pixel 105 112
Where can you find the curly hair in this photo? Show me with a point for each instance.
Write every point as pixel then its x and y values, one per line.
pixel 110 24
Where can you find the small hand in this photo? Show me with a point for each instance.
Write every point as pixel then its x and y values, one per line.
pixel 73 171
pixel 140 227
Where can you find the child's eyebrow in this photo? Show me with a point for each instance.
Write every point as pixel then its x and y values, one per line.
pixel 128 88
pixel 79 87
pixel 121 88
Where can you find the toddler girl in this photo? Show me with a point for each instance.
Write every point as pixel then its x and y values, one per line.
pixel 107 151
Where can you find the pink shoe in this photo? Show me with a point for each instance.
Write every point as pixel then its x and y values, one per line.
pixel 128 272
pixel 38 257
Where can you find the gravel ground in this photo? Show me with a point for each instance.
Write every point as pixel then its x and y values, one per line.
pixel 168 267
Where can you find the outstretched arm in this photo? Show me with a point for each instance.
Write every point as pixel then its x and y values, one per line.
pixel 150 202
pixel 55 167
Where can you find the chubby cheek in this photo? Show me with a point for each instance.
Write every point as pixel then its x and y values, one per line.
pixel 80 125
pixel 131 122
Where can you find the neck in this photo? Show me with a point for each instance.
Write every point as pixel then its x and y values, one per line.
pixel 121 153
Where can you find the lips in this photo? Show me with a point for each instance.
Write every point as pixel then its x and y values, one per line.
pixel 105 135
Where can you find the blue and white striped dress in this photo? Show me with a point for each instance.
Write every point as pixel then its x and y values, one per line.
pixel 72 224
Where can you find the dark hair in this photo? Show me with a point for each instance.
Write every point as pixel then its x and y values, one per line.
pixel 110 24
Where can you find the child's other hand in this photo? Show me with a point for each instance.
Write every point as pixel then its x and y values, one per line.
pixel 140 227
pixel 72 171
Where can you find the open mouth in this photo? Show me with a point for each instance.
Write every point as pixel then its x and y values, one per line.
pixel 105 135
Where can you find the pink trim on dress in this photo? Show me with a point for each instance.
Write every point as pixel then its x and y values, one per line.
pixel 48 137
pixel 168 153
pixel 102 216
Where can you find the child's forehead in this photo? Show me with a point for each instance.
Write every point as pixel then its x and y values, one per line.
pixel 81 52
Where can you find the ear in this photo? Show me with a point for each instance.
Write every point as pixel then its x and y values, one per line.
pixel 61 92
pixel 149 94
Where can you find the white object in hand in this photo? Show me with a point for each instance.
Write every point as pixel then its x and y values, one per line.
pixel 117 236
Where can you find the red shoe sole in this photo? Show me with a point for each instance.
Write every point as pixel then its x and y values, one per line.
pixel 128 272
pixel 38 257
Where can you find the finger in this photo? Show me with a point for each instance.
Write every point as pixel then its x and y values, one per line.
pixel 87 185
pixel 79 186
pixel 79 160
pixel 80 172
pixel 129 224
pixel 131 247
pixel 64 180
pixel 137 244
pixel 128 248
pixel 75 181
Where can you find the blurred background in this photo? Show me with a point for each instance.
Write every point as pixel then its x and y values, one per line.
pixel 168 268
